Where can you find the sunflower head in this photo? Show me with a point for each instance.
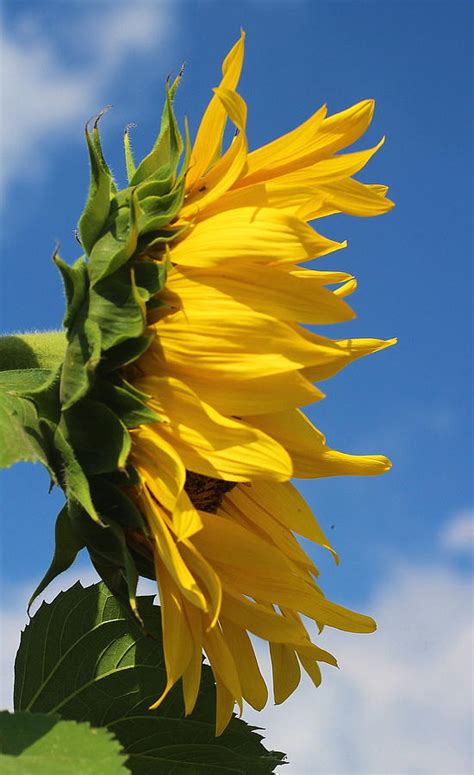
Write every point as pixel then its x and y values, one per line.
pixel 178 402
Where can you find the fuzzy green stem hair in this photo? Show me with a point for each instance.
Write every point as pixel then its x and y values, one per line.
pixel 36 350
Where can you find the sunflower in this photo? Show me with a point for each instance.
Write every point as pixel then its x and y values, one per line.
pixel 227 371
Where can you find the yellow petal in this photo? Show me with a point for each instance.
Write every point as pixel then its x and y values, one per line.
pixel 285 504
pixel 164 473
pixel 192 674
pixel 312 669
pixel 209 578
pixel 177 640
pixel 344 128
pixel 208 141
pixel 286 671
pixel 250 566
pixel 249 514
pixel 166 550
pixel 259 619
pixel 331 169
pixel 280 193
pixel 324 277
pixel 349 350
pixel 287 151
pixel 316 138
pixel 283 295
pixel 258 395
pixel 209 443
pixel 346 289
pixel 229 167
pixel 230 341
pixel 249 233
pixel 294 594
pixel 222 662
pixel 346 196
pixel 309 453
pixel 254 688
pixel 224 706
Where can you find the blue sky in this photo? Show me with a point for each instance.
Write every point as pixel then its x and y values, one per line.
pixel 404 537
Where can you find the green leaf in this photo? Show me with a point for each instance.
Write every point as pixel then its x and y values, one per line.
pixel 96 210
pixel 82 656
pixel 21 437
pixel 100 441
pixel 37 744
pixel 24 381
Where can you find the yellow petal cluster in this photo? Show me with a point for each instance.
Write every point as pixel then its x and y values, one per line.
pixel 228 369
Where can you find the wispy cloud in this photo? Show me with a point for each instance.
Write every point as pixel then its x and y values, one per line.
pixel 44 92
pixel 458 534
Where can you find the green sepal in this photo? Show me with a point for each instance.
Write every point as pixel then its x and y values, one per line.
pixel 96 211
pixel 129 160
pixel 111 558
pixel 123 400
pixel 98 147
pixel 76 282
pixel 70 474
pixel 81 359
pixel 99 438
pixel 163 158
pixel 158 211
pixel 117 308
pixel 187 153
pixel 67 546
pixel 160 237
pixel 169 122
pixel 151 275
pixel 118 242
pixel 115 505
pixel 129 477
pixel 45 395
pixel 125 353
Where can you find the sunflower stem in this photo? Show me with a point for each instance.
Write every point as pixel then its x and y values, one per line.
pixel 35 350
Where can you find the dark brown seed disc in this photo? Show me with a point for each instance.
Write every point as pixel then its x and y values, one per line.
pixel 205 492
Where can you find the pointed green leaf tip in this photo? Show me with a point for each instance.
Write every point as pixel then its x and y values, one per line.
pixel 98 664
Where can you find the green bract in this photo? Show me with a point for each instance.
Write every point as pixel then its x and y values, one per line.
pixel 72 408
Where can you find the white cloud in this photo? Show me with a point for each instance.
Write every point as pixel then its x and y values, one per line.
pixel 458 534
pixel 42 96
pixel 402 701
